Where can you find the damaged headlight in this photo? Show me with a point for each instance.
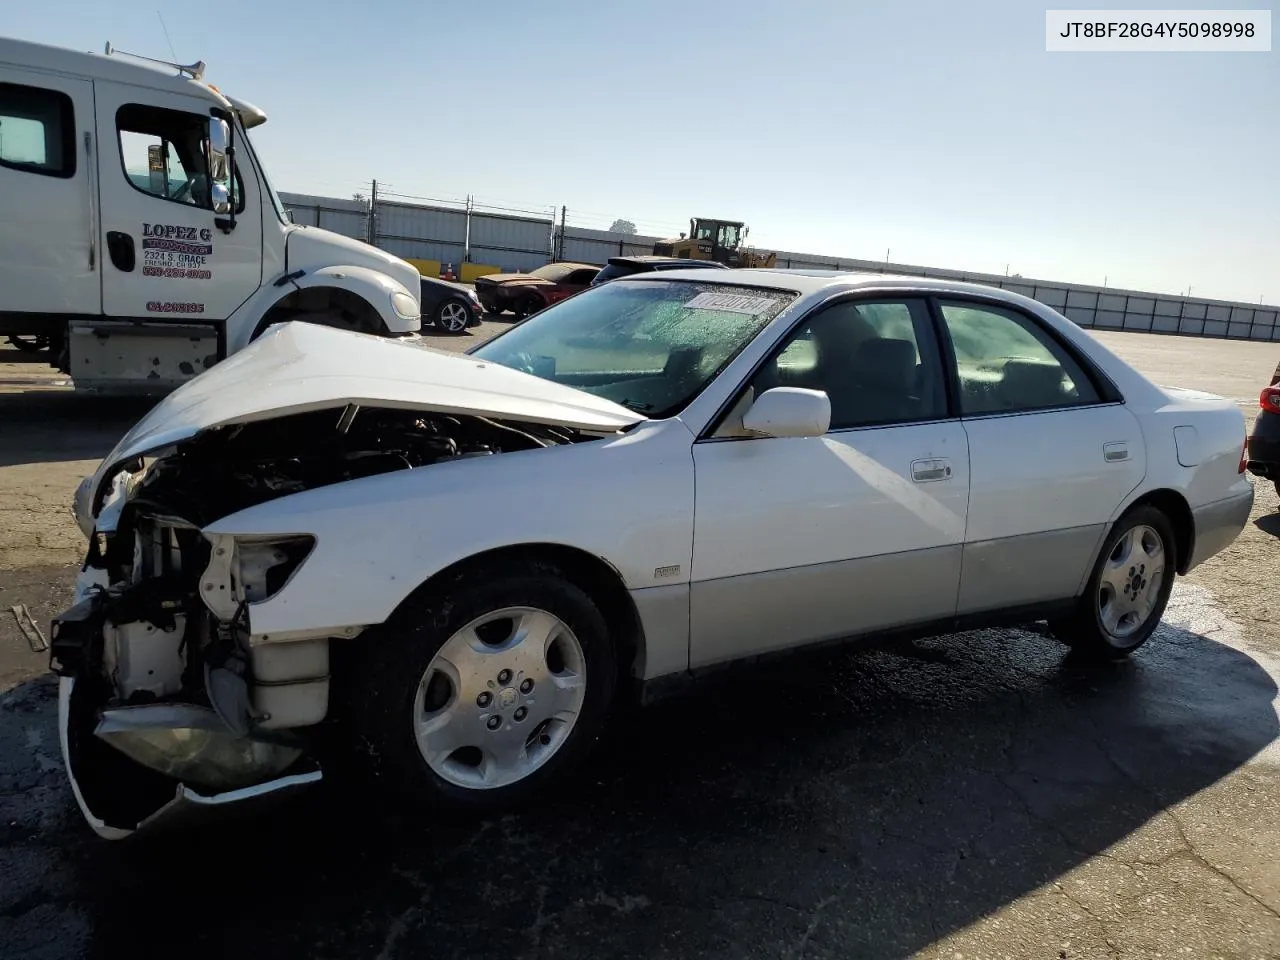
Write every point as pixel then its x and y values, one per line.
pixel 82 506
pixel 251 569
pixel 190 743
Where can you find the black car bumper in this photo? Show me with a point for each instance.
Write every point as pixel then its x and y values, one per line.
pixel 1264 446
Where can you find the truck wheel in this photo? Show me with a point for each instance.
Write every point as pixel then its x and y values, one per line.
pixel 339 321
pixel 29 344
pixel 479 698
pixel 1127 591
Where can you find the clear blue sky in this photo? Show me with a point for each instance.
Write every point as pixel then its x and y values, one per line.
pixel 940 130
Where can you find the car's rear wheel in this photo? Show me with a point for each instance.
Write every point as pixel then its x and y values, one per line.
pixel 528 306
pixel 486 692
pixel 453 316
pixel 1127 591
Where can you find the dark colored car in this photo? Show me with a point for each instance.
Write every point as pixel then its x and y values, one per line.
pixel 1264 441
pixel 625 266
pixel 526 293
pixel 451 307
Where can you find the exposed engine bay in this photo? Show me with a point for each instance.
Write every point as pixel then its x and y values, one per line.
pixel 171 701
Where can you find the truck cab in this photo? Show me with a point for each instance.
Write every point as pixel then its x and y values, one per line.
pixel 139 232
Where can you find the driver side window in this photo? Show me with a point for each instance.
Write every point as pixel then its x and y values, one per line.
pixel 877 362
pixel 163 153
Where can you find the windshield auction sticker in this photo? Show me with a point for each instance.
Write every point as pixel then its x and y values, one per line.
pixel 730 303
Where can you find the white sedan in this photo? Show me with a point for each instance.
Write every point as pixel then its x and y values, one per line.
pixel 465 560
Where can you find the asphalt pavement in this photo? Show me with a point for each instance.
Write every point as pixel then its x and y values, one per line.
pixel 974 795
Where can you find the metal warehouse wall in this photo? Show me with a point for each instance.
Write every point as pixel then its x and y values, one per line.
pixel 347 217
pixel 597 246
pixel 522 243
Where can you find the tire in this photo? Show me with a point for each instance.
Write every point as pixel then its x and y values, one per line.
pixel 528 307
pixel 453 316
pixel 404 691
pixel 1109 623
pixel 335 320
pixel 29 344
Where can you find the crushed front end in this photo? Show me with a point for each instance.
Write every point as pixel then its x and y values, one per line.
pixel 170 703
pixel 165 705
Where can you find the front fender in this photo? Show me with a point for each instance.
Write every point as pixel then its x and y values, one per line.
pixel 627 500
pixel 375 288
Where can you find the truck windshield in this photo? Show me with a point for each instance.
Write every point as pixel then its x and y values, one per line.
pixel 262 173
pixel 648 345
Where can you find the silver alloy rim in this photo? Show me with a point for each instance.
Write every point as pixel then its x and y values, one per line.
pixel 1131 579
pixel 454 317
pixel 500 698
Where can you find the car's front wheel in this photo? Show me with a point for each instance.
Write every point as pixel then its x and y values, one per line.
pixel 483 693
pixel 1127 591
pixel 452 316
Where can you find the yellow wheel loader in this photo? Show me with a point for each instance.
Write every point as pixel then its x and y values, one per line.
pixel 720 240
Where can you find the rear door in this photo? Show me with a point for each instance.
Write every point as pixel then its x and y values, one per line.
pixel 48 260
pixel 164 254
pixel 1051 457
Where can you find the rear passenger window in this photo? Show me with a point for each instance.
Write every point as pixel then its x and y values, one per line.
pixel 37 131
pixel 1007 364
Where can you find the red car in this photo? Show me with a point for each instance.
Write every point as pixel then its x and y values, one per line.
pixel 526 293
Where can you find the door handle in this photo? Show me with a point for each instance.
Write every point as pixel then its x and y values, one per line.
pixel 1115 452
pixel 120 249
pixel 927 471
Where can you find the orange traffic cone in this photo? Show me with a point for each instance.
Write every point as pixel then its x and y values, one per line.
pixel 448 272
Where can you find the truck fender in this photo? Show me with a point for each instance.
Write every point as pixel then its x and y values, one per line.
pixel 377 290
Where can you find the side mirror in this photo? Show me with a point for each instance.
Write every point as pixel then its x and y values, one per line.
pixel 219 166
pixel 789 412
pixel 221 199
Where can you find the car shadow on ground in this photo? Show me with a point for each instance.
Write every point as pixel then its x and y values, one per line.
pixel 1269 523
pixel 42 426
pixel 865 803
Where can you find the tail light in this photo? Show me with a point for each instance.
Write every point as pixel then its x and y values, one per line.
pixel 1269 399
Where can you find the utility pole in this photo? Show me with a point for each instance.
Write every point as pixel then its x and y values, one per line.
pixel 560 251
pixel 466 242
pixel 373 215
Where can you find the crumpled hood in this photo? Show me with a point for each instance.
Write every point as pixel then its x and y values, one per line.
pixel 510 279
pixel 299 367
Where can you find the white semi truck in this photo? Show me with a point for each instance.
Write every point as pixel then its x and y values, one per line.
pixel 139 234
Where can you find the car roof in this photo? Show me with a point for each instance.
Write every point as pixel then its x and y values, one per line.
pixel 648 259
pixel 805 282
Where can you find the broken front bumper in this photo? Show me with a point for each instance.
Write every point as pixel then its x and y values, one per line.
pixel 126 764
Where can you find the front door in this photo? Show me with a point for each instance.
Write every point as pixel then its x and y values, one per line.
pixel 164 254
pixel 799 540
pixel 48 264
pixel 1052 457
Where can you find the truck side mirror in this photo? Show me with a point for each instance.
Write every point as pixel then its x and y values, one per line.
pixel 219 166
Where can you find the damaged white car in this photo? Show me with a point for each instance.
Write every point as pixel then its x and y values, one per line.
pixel 463 561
